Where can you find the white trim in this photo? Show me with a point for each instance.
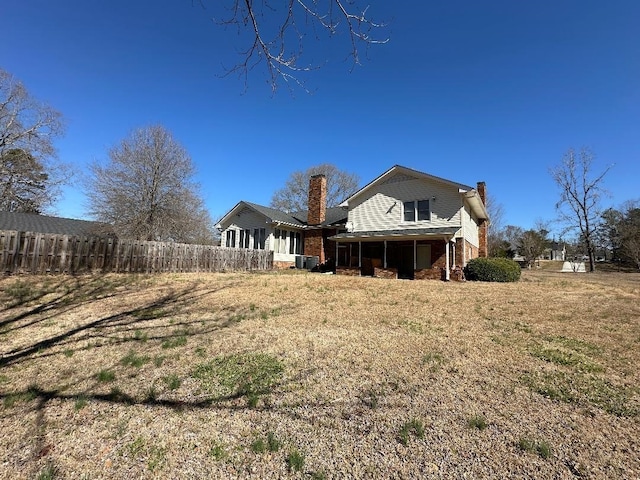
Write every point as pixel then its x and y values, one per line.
pixel 385 254
pixel 446 262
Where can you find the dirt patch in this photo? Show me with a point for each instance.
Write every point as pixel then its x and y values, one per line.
pixel 282 375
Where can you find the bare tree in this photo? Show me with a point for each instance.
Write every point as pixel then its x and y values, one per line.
pixel 29 180
pixel 146 192
pixel 629 231
pixel 278 31
pixel 294 195
pixel 580 194
pixel 495 232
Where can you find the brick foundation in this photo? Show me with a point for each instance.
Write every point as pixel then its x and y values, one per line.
pixel 283 265
pixel 433 273
pixel 385 272
pixel 351 271
pixel 457 274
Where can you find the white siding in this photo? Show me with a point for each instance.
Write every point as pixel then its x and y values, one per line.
pixel 382 207
pixel 470 228
pixel 246 219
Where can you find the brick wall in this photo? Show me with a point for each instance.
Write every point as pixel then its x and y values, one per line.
pixel 317 200
pixel 314 244
pixel 313 239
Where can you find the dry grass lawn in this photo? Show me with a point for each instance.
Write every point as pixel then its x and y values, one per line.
pixel 300 375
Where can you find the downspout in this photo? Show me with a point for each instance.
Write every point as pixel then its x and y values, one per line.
pixel 464 244
pixel 446 258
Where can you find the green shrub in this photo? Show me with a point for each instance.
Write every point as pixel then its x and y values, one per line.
pixel 492 270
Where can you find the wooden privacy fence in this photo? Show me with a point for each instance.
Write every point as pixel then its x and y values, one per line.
pixel 41 253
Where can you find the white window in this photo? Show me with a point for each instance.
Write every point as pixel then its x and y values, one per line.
pixel 245 236
pixel 259 235
pixel 279 241
pixel 295 242
pixel 231 238
pixel 416 210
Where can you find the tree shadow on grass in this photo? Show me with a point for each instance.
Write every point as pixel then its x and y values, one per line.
pixel 64 302
pixel 62 298
pixel 26 300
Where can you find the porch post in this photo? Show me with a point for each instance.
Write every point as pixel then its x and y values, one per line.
pixel 360 255
pixel 446 261
pixel 385 254
pixel 453 244
pixel 336 262
pixel 415 254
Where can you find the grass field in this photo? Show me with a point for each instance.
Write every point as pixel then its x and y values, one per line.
pixel 300 375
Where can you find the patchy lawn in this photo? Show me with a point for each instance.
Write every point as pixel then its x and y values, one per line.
pixel 292 375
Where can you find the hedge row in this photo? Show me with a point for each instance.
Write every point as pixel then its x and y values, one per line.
pixel 492 270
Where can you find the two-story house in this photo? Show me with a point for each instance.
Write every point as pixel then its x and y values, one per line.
pixel 404 224
pixel 409 224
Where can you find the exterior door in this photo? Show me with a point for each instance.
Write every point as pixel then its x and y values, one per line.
pixel 405 265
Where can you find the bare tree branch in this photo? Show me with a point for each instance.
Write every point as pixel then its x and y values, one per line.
pixel 279 31
pixel 29 181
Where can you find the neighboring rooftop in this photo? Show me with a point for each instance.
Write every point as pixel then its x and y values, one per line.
pixel 32 222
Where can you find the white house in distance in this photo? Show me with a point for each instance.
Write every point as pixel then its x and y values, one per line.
pixel 403 224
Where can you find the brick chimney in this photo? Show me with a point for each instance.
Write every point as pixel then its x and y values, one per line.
pixel 317 200
pixel 483 240
pixel 313 238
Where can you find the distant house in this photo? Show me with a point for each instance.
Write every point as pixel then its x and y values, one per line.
pixel 32 222
pixel 555 251
pixel 404 224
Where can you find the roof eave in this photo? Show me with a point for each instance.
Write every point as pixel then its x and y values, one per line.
pixel 476 204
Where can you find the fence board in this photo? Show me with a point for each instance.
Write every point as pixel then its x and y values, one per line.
pixel 40 253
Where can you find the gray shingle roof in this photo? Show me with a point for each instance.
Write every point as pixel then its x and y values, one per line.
pixel 275 215
pixel 334 215
pixel 31 222
pixel 426 232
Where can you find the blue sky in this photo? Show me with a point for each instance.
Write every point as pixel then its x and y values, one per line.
pixel 466 90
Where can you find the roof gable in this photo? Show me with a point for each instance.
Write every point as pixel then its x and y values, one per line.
pixel 398 173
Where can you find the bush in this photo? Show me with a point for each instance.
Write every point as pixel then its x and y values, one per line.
pixel 492 270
